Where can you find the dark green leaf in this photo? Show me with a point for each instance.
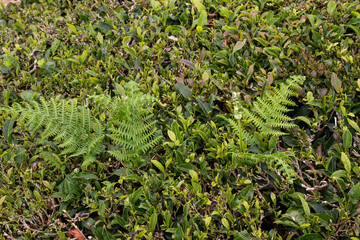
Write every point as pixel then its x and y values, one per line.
pixel 184 90
pixel 153 222
pixel 202 19
pixel 7 130
pixel 311 236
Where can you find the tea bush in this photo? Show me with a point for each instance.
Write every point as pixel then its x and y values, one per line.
pixel 164 119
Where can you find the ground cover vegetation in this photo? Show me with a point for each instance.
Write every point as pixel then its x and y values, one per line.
pixel 167 119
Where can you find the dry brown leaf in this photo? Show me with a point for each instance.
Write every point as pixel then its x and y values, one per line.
pixel 75 233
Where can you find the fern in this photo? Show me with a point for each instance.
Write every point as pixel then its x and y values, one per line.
pixel 134 133
pixel 269 112
pixel 78 133
pixel 53 160
pixel 268 115
pixel 280 162
pixel 239 131
pixel 72 126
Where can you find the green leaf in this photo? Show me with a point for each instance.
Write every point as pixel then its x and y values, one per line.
pixel 55 45
pixel 194 175
pixel 62 235
pixel 196 187
pixel 84 56
pixel 311 236
pixel 188 63
pixel 202 19
pixel 261 41
pixel 186 209
pixel 86 176
pixel 247 193
pixel 338 174
pixel 155 4
pixel 204 106
pixel 200 7
pixel 184 90
pixel 224 12
pixel 203 136
pixel 239 45
pixel 171 135
pixel 354 194
pixel 2 199
pixel 325 219
pixel 100 38
pixel 102 233
pixel 354 125
pixel 331 7
pixel 273 50
pixel 159 165
pixel 131 51
pixel 347 138
pixel 126 40
pixel 135 195
pixel 304 119
pixel 225 222
pixel 179 235
pixel 272 21
pixel 354 28
pixel 7 130
pixel 185 167
pixel 336 83
pixel 207 221
pixel 311 19
pixel 305 206
pixel 102 208
pixel 153 222
pixel 72 28
pixel 345 160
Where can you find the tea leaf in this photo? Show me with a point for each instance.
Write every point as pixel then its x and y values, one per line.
pixel 153 222
pixel 202 19
pixel 336 83
pixel 346 162
pixel 347 138
pixel 331 7
pixel 171 135
pixel 200 7
pixel 226 224
pixel 305 206
pixel 239 45
pixel 158 165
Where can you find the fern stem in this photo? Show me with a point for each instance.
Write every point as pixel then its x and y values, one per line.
pixel 240 136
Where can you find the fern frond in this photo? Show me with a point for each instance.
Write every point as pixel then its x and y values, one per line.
pixel 54 161
pixel 269 112
pixel 282 162
pixel 245 135
pixel 123 155
pixel 72 126
pixel 134 132
pixel 279 161
pixel 77 133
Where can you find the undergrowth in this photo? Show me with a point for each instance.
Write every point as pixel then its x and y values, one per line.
pixel 198 119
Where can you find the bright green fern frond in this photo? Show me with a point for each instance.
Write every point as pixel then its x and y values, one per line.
pixel 72 126
pixel 123 154
pixel 245 135
pixel 269 112
pixel 134 131
pixel 280 162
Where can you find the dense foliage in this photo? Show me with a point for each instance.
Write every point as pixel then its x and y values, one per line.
pixel 167 119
